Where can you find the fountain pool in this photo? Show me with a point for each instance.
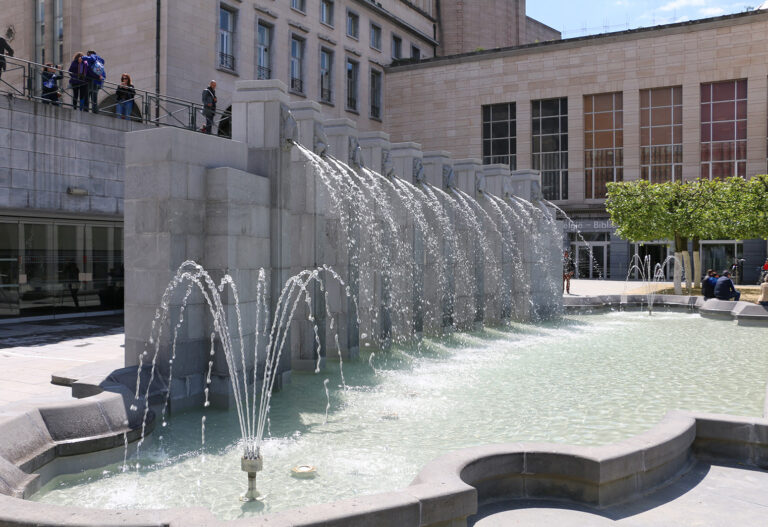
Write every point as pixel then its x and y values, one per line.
pixel 586 379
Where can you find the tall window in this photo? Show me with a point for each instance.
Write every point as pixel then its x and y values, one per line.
pixel 603 142
pixel 550 145
pixel 724 129
pixel 376 89
pixel 326 12
pixel 40 31
pixel 297 64
pixel 58 16
pixel 375 36
pixel 415 52
pixel 326 75
pixel 500 134
pixel 352 76
pixel 397 47
pixel 226 39
pixel 263 52
pixel 299 5
pixel 661 134
pixel 353 25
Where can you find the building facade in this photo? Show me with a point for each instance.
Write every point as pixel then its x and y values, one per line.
pixel 668 103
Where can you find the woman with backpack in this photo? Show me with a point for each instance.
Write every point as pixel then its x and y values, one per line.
pixel 78 80
pixel 125 94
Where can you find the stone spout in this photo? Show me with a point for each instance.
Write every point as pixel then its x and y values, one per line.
pixel 289 128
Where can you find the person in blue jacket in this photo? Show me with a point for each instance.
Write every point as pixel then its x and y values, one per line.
pixel 724 289
pixel 96 76
pixel 708 285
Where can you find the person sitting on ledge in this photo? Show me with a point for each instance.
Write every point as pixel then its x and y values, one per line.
pixel 724 289
pixel 763 298
pixel 708 285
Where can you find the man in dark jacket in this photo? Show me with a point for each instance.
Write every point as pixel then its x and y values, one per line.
pixel 5 49
pixel 724 289
pixel 209 106
pixel 708 285
pixel 96 75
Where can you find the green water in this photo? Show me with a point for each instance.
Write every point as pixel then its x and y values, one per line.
pixel 590 379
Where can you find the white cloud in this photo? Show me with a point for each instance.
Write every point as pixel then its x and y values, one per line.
pixel 712 11
pixel 680 4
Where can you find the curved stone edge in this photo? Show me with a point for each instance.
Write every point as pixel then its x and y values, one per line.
pixel 743 313
pixel 35 432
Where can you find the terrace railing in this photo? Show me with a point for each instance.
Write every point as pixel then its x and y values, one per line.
pixel 23 79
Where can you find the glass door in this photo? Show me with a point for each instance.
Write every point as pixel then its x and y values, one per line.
pixel 591 260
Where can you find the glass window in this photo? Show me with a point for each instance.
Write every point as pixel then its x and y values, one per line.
pixel 415 52
pixel 40 27
pixel 9 269
pixel 376 89
pixel 375 36
pixel 603 142
pixel 326 75
pixel 326 12
pixel 397 47
pixel 37 283
pixel 500 134
pixel 352 76
pixel 59 20
pixel 299 5
pixel 297 64
pixel 661 134
pixel 724 129
pixel 263 52
pixel 226 39
pixel 549 149
pixel 353 24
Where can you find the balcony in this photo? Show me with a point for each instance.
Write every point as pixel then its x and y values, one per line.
pixel 297 85
pixel 263 73
pixel 325 94
pixel 227 61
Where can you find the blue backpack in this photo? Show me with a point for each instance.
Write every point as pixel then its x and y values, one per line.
pixel 97 67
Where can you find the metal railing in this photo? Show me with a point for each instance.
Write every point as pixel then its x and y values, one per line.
pixel 297 84
pixel 325 94
pixel 263 73
pixel 227 61
pixel 23 79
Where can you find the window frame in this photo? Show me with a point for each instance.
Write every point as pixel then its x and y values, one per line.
pixel 375 30
pixel 489 139
pixel 355 86
pixel 332 9
pixel 331 61
pixel 230 64
pixel 353 16
pixel 397 44
pixel 417 50
pixel 606 158
pixel 562 153
pixel 299 5
pixel 296 84
pixel 270 36
pixel 372 93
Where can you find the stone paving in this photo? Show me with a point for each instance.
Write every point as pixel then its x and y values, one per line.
pixel 31 353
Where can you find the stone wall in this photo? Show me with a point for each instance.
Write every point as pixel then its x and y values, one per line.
pixel 45 150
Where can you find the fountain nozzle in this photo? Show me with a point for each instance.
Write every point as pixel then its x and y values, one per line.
pixel 251 466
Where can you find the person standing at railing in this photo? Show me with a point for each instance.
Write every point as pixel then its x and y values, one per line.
pixel 5 49
pixel 96 76
pixel 125 94
pixel 209 106
pixel 50 93
pixel 78 80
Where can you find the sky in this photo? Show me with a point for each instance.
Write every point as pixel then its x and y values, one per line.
pixel 578 18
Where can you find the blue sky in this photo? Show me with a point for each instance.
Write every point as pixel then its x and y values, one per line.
pixel 576 19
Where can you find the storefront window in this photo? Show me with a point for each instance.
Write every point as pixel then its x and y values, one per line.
pixel 9 269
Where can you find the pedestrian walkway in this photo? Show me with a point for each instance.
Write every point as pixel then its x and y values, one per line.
pixel 612 287
pixel 32 353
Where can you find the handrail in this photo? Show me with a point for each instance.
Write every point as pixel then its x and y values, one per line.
pixel 23 78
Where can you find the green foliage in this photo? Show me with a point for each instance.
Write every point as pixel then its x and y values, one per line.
pixel 706 209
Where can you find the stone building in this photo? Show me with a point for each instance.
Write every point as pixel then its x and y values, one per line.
pixel 666 103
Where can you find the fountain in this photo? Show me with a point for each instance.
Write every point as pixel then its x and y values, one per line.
pixel 649 274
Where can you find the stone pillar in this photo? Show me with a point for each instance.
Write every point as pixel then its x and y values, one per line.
pixel 407 165
pixel 526 184
pixel 309 215
pixel 467 172
pixel 339 132
pixel 496 181
pixel 167 221
pixel 375 147
pixel 435 163
pixel 258 108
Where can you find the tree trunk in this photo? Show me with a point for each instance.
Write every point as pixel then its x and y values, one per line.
pixel 687 264
pixel 678 266
pixel 696 263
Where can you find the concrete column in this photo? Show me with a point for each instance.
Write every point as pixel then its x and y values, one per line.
pixel 407 163
pixel 435 163
pixel 692 128
pixel 757 86
pixel 526 184
pixel 339 132
pixel 468 174
pixel 256 112
pixel 496 181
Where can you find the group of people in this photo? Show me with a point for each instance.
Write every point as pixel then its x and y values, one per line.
pixel 721 287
